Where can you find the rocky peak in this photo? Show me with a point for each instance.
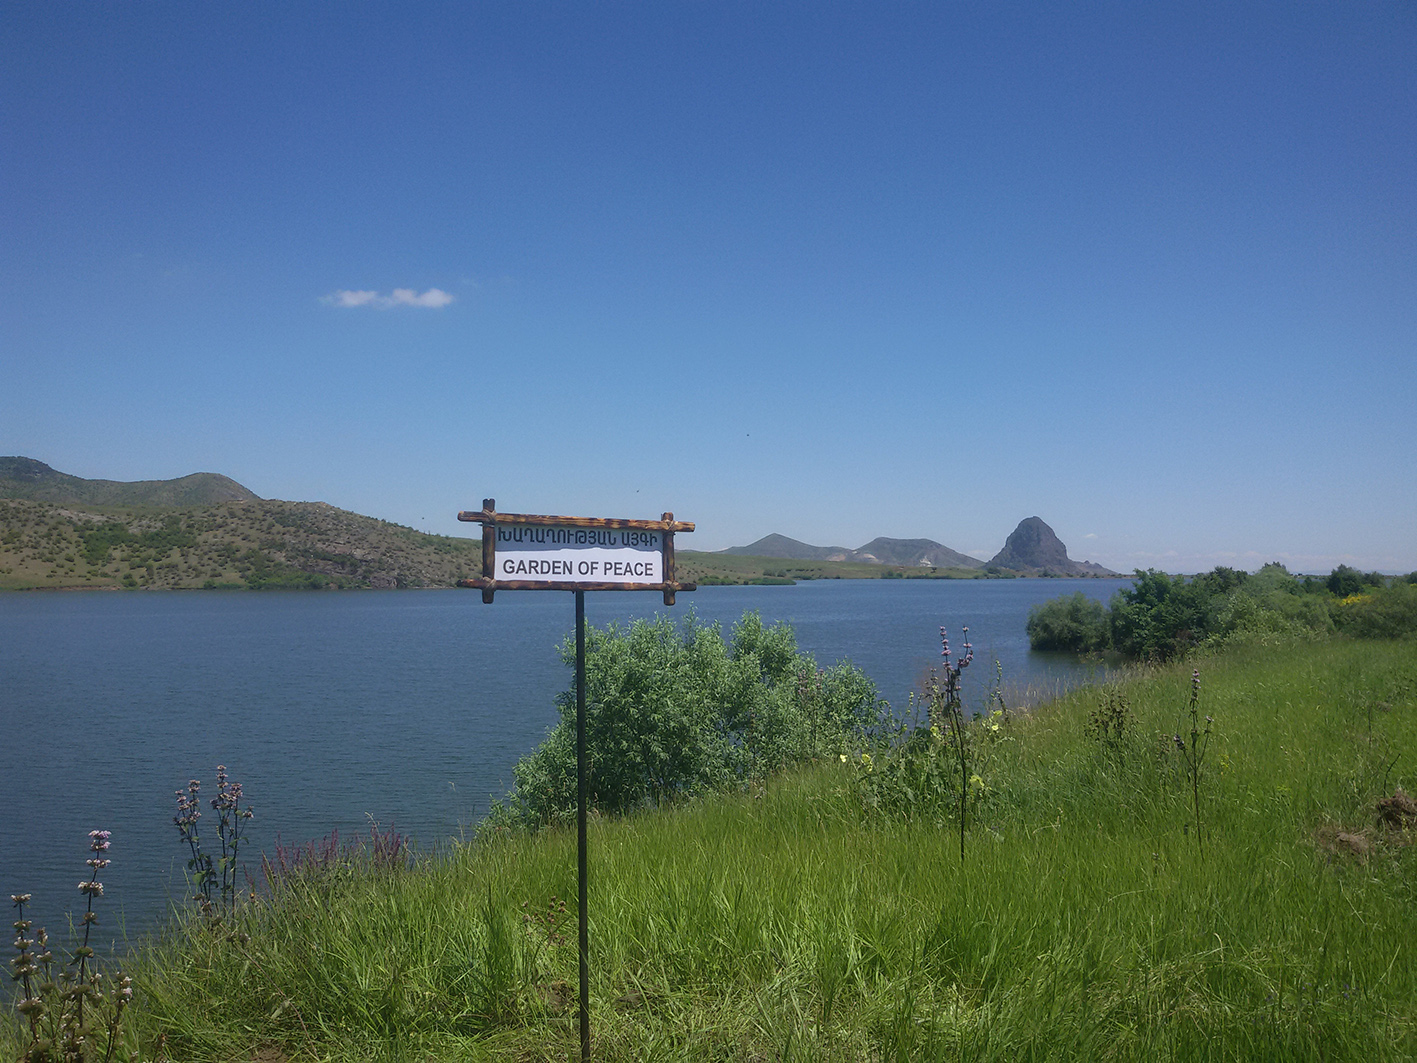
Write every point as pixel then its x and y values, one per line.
pixel 1033 546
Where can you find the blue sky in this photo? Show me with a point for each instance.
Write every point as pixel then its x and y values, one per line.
pixel 1148 271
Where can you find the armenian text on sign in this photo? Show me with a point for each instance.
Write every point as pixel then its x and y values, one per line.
pixel 579 555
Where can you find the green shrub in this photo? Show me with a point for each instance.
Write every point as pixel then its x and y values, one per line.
pixel 1387 613
pixel 1270 617
pixel 1345 581
pixel 1076 623
pixel 1160 617
pixel 675 710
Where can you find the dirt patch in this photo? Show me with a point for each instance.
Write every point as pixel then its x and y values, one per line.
pixel 1398 812
pixel 1356 845
pixel 1337 843
pixel 557 996
pixel 1396 827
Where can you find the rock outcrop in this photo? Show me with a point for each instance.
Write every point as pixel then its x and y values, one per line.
pixel 1034 549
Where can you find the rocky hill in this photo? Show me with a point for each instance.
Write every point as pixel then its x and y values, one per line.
pixel 36 481
pixel 106 534
pixel 1033 548
pixel 264 544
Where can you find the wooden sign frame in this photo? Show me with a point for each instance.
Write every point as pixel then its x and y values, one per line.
pixel 489 584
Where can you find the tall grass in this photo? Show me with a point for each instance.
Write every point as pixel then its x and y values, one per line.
pixel 789 923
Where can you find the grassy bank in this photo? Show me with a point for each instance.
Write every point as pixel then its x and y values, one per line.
pixel 1086 922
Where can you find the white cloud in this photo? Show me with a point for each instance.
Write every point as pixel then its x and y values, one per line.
pixel 433 298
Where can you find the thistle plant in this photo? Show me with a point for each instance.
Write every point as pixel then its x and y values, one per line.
pixel 947 710
pixel 1194 750
pixel 996 692
pixel 1110 721
pixel 61 1008
pixel 214 878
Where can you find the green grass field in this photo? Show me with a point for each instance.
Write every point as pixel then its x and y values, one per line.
pixel 1085 921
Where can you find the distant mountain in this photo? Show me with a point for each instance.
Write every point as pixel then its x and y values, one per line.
pixel 1034 548
pixel 781 546
pixel 33 480
pixel 919 552
pixel 924 553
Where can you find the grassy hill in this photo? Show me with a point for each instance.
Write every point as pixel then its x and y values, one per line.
pixel 256 543
pixel 36 481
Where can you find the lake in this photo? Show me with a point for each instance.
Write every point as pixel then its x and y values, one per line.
pixel 402 708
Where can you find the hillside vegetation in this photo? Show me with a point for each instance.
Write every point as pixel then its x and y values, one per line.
pixel 254 544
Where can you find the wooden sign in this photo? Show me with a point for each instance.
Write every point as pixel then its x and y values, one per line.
pixel 524 551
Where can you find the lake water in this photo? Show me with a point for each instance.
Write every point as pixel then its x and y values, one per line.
pixel 405 708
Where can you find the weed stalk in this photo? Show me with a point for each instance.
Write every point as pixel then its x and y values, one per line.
pixel 1194 753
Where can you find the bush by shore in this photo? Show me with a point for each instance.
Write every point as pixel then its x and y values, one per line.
pixel 1161 617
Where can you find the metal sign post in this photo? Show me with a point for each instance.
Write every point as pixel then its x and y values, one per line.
pixel 526 552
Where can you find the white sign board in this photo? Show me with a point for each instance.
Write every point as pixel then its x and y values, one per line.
pixel 579 555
